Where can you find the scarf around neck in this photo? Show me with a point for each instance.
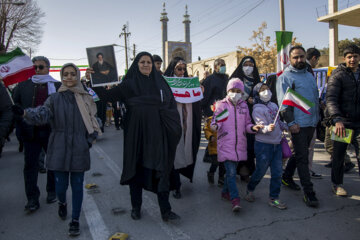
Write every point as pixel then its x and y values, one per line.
pixel 84 101
pixel 41 79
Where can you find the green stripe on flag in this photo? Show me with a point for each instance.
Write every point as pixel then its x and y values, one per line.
pixel 79 66
pixel 283 39
pixel 8 56
pixel 183 82
pixel 222 114
pixel 307 102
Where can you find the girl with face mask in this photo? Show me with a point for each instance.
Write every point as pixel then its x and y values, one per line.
pixel 232 120
pixel 71 114
pixel 267 145
pixel 248 73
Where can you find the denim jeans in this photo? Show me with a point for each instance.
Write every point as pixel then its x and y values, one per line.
pixel 230 179
pixel 267 155
pixel 61 185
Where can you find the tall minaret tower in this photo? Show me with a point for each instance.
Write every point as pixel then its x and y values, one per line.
pixel 164 19
pixel 187 25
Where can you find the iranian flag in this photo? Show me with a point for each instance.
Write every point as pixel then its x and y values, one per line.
pixel 15 67
pixel 223 116
pixel 283 43
pixel 294 99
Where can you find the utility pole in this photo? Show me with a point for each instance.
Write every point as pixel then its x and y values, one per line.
pixel 134 51
pixel 125 34
pixel 282 15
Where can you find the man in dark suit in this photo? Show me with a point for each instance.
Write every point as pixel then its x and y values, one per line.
pixel 32 93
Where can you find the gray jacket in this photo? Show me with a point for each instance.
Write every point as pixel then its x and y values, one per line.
pixel 68 149
pixel 265 115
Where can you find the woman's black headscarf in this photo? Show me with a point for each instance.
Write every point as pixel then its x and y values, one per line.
pixel 249 82
pixel 170 70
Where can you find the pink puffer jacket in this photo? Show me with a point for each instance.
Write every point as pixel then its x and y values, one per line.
pixel 231 135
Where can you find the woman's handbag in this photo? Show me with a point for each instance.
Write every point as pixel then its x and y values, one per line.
pixel 286 151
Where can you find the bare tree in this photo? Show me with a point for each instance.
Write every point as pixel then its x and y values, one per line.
pixel 20 25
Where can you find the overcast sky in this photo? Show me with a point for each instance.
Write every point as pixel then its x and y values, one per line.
pixel 70 26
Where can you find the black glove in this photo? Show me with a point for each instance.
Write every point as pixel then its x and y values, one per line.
pixel 17 110
pixel 91 138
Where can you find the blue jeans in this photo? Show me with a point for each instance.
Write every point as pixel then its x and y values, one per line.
pixel 230 179
pixel 61 185
pixel 267 155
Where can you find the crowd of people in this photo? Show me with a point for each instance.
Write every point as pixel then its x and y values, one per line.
pixel 243 124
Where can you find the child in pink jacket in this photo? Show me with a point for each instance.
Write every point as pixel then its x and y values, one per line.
pixel 232 121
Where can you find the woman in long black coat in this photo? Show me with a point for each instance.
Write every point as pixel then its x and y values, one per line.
pixel 151 133
pixel 249 74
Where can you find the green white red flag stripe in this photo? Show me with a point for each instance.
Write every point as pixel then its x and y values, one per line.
pixel 15 67
pixel 283 43
pixel 294 99
pixel 82 68
pixel 185 89
pixel 223 116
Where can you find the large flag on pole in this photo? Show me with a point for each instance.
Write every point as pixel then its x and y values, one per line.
pixel 294 99
pixel 283 43
pixel 15 67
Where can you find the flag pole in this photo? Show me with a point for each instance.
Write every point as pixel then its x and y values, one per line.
pixel 277 114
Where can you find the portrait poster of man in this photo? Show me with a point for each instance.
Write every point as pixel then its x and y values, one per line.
pixel 102 61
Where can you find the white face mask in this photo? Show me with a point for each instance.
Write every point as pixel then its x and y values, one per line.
pixel 248 70
pixel 234 97
pixel 265 96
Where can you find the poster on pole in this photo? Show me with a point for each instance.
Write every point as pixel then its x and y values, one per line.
pixel 185 89
pixel 102 61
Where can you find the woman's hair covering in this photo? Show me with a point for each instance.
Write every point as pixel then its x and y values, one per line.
pixel 170 70
pixel 239 73
pixel 157 58
pixel 84 101
pixel 256 94
pixel 235 83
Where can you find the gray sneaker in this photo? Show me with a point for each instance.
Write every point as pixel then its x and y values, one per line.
pixel 277 203
pixel 249 197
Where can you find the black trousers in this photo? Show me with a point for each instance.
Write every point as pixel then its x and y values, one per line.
pixel 300 158
pixel 214 165
pixel 116 117
pixel 32 150
pixel 339 151
pixel 136 197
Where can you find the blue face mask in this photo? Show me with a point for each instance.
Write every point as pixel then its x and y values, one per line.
pixel 222 69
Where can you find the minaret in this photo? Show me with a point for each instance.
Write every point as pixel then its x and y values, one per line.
pixel 187 25
pixel 164 19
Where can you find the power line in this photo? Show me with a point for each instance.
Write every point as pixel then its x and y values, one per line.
pixel 238 19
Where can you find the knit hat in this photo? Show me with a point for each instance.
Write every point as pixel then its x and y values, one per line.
pixel 235 83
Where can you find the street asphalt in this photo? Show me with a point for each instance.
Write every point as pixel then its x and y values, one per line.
pixel 106 209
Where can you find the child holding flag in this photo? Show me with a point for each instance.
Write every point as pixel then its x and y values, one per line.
pixel 232 120
pixel 267 145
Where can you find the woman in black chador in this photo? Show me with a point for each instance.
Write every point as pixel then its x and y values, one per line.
pixel 249 74
pixel 151 133
pixel 190 117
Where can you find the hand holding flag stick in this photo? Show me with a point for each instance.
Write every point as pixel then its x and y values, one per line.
pixel 294 99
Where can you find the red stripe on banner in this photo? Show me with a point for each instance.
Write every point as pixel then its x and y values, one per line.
pixel 222 120
pixel 19 76
pixel 279 73
pixel 291 103
pixel 81 70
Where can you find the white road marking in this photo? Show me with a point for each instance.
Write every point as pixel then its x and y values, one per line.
pixel 149 205
pixel 94 220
